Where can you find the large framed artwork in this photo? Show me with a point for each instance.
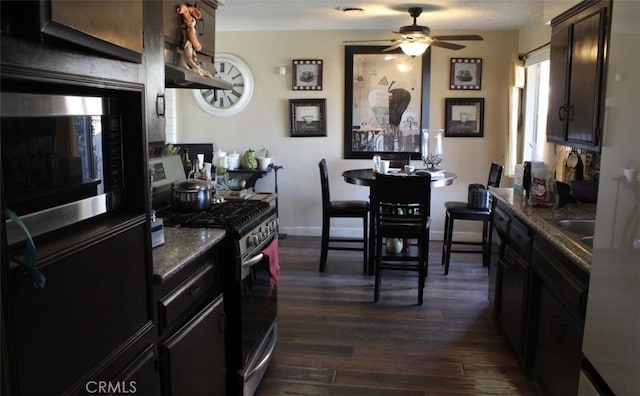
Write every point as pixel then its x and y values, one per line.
pixel 464 117
pixel 386 102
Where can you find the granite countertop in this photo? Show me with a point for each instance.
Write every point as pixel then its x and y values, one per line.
pixel 182 245
pixel 542 220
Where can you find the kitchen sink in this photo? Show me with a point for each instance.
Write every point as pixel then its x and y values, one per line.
pixel 587 240
pixel 581 227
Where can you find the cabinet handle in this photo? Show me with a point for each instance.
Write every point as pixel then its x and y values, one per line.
pixel 160 105
pixel 570 111
pixel 194 290
pixel 561 111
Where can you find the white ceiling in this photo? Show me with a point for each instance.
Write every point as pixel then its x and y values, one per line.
pixel 246 15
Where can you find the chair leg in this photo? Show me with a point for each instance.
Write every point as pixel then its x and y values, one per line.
pixel 485 243
pixel 447 244
pixel 365 254
pixel 422 266
pixel 324 248
pixel 444 238
pixel 378 261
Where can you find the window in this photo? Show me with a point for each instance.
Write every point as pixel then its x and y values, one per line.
pixel 536 104
pixel 527 141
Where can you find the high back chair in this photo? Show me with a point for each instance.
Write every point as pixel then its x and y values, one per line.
pixel 456 210
pixel 332 209
pixel 401 207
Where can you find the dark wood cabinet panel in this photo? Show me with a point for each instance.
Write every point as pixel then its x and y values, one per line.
pixel 560 295
pixel 558 350
pixel 95 300
pixel 577 76
pixel 193 359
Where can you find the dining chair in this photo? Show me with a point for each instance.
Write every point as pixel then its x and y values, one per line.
pixel 396 160
pixel 401 206
pixel 344 209
pixel 456 210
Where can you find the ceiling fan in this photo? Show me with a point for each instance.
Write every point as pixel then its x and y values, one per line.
pixel 415 38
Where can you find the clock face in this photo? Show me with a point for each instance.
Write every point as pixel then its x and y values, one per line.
pixel 226 102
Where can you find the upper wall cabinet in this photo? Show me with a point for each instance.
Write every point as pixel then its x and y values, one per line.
pixel 578 58
pixel 113 28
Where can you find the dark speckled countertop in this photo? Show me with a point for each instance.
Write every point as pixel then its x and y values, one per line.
pixel 543 221
pixel 182 245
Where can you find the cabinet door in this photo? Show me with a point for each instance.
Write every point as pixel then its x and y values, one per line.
pixel 512 303
pixel 94 302
pixel 587 59
pixel 558 350
pixel 194 357
pixel 558 76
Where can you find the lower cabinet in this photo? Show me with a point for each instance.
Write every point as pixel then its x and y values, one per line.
pixel 88 323
pixel 560 292
pixel 558 351
pixel 513 299
pixel 192 326
pixel 539 298
pixel 194 357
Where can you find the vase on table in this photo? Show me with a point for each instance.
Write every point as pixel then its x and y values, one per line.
pixel 432 143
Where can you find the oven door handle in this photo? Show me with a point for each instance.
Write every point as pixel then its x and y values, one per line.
pixel 253 261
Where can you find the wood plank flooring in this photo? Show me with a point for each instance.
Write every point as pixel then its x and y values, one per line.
pixel 335 341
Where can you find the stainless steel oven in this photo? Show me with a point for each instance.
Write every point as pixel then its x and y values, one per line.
pixel 259 310
pixel 62 160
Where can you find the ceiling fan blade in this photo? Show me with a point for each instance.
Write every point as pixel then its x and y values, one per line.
pixel 369 41
pixel 459 37
pixel 395 46
pixel 447 45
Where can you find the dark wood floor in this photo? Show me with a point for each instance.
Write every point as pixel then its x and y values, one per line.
pixel 335 341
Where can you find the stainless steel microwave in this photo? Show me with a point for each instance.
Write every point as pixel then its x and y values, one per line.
pixel 61 160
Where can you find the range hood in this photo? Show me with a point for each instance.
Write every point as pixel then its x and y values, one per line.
pixel 181 77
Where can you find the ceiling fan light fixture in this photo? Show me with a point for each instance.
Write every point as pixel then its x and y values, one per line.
pixel 414 49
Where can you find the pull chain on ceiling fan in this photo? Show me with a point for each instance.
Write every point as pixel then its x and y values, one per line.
pixel 415 38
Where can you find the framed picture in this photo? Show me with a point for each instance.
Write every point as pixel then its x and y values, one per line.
pixel 464 117
pixel 466 73
pixel 386 102
pixel 307 74
pixel 308 117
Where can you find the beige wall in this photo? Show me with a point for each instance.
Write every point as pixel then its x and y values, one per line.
pixel 265 121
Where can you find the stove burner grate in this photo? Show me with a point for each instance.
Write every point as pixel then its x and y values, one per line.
pixel 234 216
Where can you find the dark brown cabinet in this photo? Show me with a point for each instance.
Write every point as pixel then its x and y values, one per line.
pixel 578 75
pixel 194 357
pixel 509 275
pixel 560 290
pixel 92 313
pixel 192 322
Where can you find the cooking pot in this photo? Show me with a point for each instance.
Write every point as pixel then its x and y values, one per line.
pixel 192 194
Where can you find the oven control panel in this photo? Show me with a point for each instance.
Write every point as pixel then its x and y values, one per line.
pixel 258 235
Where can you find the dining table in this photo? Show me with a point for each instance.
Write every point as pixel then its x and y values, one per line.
pixel 366 177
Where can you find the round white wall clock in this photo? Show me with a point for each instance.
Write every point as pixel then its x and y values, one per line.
pixel 227 102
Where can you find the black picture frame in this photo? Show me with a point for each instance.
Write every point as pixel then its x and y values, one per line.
pixel 465 74
pixel 307 117
pixel 366 131
pixel 306 74
pixel 464 117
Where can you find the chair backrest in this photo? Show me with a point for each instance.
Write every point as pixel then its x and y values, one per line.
pixel 495 174
pixel 324 183
pixel 401 203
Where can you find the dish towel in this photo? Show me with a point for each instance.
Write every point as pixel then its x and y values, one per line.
pixel 271 251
